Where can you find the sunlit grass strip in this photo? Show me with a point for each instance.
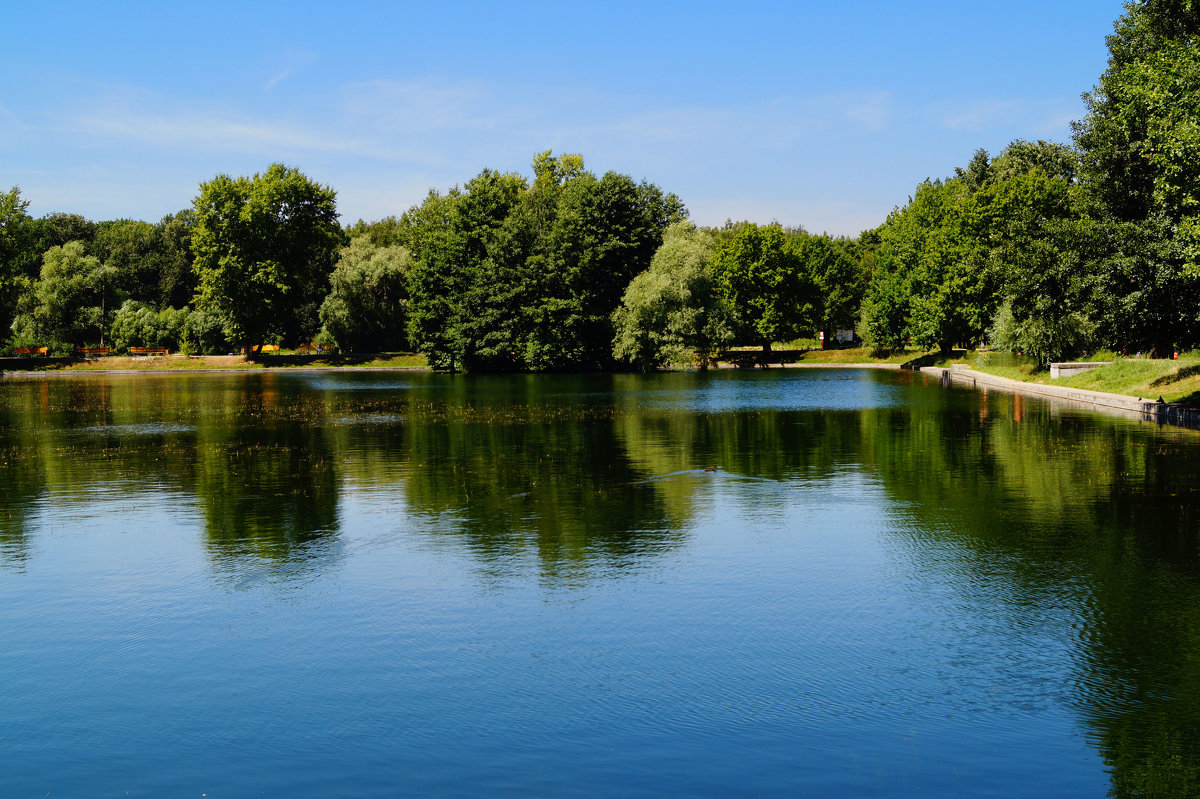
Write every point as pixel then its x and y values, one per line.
pixel 1173 380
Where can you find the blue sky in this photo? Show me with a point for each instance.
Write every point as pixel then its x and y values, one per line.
pixel 825 115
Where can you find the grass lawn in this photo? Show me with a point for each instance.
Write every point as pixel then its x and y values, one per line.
pixel 797 352
pixel 1173 380
pixel 853 355
pixel 181 362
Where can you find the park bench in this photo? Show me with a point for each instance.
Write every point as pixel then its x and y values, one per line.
pixel 31 350
pixel 149 351
pixel 89 352
pixel 262 348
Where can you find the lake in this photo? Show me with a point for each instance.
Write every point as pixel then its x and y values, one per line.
pixel 382 583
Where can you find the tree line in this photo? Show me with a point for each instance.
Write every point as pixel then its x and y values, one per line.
pixel 1047 249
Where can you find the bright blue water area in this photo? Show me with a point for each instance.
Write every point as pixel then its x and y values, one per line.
pixel 347 585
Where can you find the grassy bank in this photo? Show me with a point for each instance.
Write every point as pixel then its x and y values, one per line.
pixel 786 354
pixel 1173 380
pixel 183 362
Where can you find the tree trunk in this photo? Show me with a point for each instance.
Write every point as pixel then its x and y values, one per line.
pixel 825 339
pixel 766 346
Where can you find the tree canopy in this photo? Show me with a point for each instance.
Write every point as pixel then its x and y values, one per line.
pixel 509 274
pixel 366 309
pixel 264 247
pixel 673 312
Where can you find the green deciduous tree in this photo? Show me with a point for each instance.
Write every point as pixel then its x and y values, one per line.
pixel 136 324
pixel 604 231
pixel 176 277
pixel 762 276
pixel 18 258
pixel 64 306
pixel 673 313
pixel 366 310
pixel 837 281
pixel 454 288
pixel 961 247
pixel 1140 169
pixel 511 275
pixel 264 248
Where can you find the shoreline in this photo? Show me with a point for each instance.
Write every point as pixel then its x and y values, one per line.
pixel 1123 405
pixel 216 370
pixel 33 373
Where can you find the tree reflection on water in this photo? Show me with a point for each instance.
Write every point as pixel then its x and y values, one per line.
pixel 592 475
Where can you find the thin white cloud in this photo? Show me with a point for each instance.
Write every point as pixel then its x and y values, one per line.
pixel 1018 115
pixel 385 142
pixel 284 64
pixel 873 111
pixel 270 84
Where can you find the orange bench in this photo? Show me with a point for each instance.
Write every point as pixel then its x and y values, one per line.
pixel 31 350
pixel 89 351
pixel 149 351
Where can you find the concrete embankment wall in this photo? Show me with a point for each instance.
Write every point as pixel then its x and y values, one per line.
pixel 1147 410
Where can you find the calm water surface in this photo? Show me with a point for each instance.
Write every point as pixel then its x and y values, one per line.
pixel 382 583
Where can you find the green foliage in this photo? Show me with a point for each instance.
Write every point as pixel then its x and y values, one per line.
pixel 1140 174
pixel 64 306
pixel 932 281
pixel 137 324
pixel 17 259
pixel 672 313
pixel 55 230
pixel 883 323
pixel 366 309
pixel 999 230
pixel 1045 337
pixel 176 278
pixel 450 237
pixel 837 280
pixel 508 275
pixel 761 275
pixel 605 231
pixel 386 232
pixel 264 247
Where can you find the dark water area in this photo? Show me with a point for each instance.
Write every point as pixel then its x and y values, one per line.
pixel 347 584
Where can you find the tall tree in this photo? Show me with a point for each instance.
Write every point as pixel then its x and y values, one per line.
pixel 366 310
pixel 762 277
pixel 264 248
pixel 508 275
pixel 837 281
pixel 1140 171
pixel 18 255
pixel 673 312
pixel 176 278
pixel 604 232
pixel 65 305
pixel 452 238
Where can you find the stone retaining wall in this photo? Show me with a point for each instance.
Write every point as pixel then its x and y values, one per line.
pixel 1146 410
